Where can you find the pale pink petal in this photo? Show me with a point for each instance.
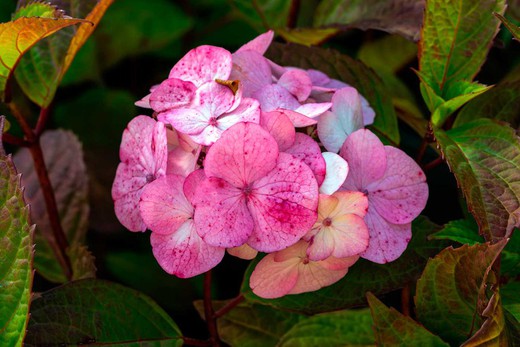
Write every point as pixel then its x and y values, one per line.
pixel 271 279
pixel 126 192
pixel 163 206
pixel 296 251
pixel 276 69
pixel 350 235
pixel 336 173
pixel 252 70
pixel 181 162
pixel 297 82
pixel 273 97
pixel 298 120
pixel 183 253
pixel 387 241
pixel 318 78
pixel 203 64
pixel 308 150
pixel 214 99
pixel 346 103
pixel 351 202
pixel 366 157
pixel 313 110
pixel 368 112
pixel 280 128
pixel 244 153
pixel 243 252
pixel 222 218
pixel 186 143
pixel 186 120
pixel 321 245
pixel 283 205
pixel 331 132
pixel 259 44
pixel 144 102
pixel 208 136
pixel 401 194
pixel 247 111
pixel 192 182
pixel 172 93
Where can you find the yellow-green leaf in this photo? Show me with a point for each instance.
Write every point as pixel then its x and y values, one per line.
pixel 515 30
pixel 307 36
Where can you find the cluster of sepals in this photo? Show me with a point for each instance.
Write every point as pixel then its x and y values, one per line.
pixel 221 166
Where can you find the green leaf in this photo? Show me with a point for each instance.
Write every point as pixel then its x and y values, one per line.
pixel 63 156
pixel 18 36
pixel 456 38
pixel 403 17
pixel 446 109
pixel 100 312
pixel 375 53
pixel 450 293
pixel 264 14
pixel 250 325
pixel 342 328
pixel 118 37
pixel 502 102
pixel 463 231
pixel 16 273
pixel 485 158
pixel 348 70
pixel 41 71
pixel 515 30
pixel 364 276
pixel 394 329
pixel 38 9
pixel 307 36
pixel 510 298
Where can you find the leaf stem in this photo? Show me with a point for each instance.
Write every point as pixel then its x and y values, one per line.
pixel 405 300
pixel 433 164
pixel 42 121
pixel 13 140
pixel 26 128
pixel 230 305
pixel 427 139
pixel 209 313
pixel 292 19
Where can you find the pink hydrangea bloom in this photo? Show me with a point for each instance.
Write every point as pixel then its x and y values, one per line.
pixel 290 271
pixel 396 189
pixel 340 230
pixel 253 193
pixel 143 155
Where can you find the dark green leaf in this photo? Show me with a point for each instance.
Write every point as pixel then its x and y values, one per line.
pixel 362 277
pixel 463 231
pixel 16 254
pixel 485 158
pixel 450 294
pixel 348 70
pixel 343 328
pixel 394 329
pixel 98 312
pixel 264 14
pixel 63 156
pixel 515 30
pixel 511 299
pixel 455 40
pixel 403 17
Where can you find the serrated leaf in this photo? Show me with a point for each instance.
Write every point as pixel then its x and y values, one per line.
pixel 252 325
pixel 98 312
pixel 403 17
pixel 502 102
pixel 342 328
pixel 63 156
pixel 515 30
pixel 41 71
pixel 307 36
pixel 463 231
pixel 16 273
pixel 450 293
pixel 18 36
pixel 348 70
pixel 456 38
pixel 485 158
pixel 364 276
pixel 37 9
pixel 394 329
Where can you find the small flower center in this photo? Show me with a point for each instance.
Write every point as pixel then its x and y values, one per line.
pixel 305 260
pixel 247 190
pixel 150 178
pixel 327 222
pixel 213 121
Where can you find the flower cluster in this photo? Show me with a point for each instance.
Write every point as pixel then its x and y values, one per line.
pixel 233 160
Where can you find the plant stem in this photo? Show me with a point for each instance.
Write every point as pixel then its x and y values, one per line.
pixel 13 140
pixel 405 300
pixel 293 14
pixel 42 121
pixel 27 131
pixel 209 313
pixel 230 305
pixel 433 164
pixel 195 342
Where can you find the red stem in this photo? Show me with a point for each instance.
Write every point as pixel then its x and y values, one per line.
pixel 230 305
pixel 433 164
pixel 13 140
pixel 42 121
pixel 405 300
pixel 195 342
pixel 293 14
pixel 209 313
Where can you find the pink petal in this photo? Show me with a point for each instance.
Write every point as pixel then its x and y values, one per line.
pixel 331 132
pixel 186 120
pixel 318 78
pixel 336 173
pixel 183 253
pixel 181 162
pixel 144 102
pixel 163 205
pixel 192 182
pixel 247 111
pixel 276 69
pixel 126 192
pixel 252 70
pixel 314 276
pixel 222 218
pixel 401 194
pixel 208 136
pixel 366 157
pixel 283 205
pixel 273 97
pixel 280 128
pixel 297 82
pixel 172 93
pixel 243 252
pixel 368 113
pixel 203 64
pixel 387 241
pixel 214 99
pixel 308 150
pixel 298 120
pixel 259 44
pixel 244 153
pixel 313 110
pixel 351 202
pixel 271 279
